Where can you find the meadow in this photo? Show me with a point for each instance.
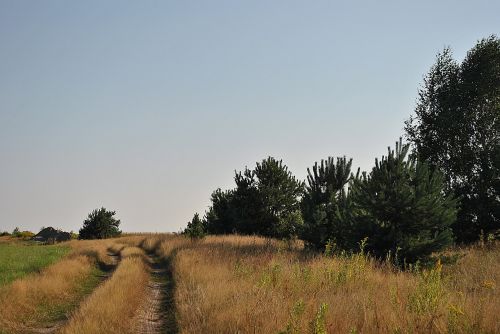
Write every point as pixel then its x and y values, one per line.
pixel 244 284
pixel 21 258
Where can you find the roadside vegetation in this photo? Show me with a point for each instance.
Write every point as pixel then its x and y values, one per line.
pixel 20 258
pixel 237 284
pixel 112 306
pixel 43 298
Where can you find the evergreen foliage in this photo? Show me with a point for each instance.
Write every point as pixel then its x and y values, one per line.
pixel 326 206
pixel 100 224
pixel 401 208
pixel 220 216
pixel 265 202
pixel 195 228
pixel 457 129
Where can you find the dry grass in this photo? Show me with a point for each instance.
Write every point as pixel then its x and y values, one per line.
pixel 112 306
pixel 41 297
pixel 28 301
pixel 254 285
pixel 236 284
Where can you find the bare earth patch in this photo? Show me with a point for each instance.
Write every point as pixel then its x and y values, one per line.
pixel 151 316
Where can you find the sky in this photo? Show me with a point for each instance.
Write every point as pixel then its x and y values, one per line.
pixel 146 107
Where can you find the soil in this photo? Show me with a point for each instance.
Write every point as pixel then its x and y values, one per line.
pixel 151 316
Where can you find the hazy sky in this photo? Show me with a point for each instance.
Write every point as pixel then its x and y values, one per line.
pixel 146 107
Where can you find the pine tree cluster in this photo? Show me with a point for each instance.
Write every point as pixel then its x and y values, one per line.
pixel 411 203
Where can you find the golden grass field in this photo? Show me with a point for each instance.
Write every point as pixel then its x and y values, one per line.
pixel 237 284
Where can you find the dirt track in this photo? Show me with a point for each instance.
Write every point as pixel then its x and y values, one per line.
pixel 53 327
pixel 151 315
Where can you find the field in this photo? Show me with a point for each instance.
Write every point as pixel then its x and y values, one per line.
pixel 20 259
pixel 235 284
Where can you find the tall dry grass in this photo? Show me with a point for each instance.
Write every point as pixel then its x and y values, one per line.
pixel 112 306
pixel 32 300
pixel 255 285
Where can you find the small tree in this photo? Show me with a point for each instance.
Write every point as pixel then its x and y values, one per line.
pixel 195 228
pixel 325 205
pixel 266 200
pixel 100 224
pixel 16 232
pixel 402 208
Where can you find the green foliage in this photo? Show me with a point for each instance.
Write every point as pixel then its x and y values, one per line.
pixel 17 233
pixel 18 259
pixel 326 206
pixel 294 324
pixel 100 224
pixel 220 218
pixel 429 292
pixel 318 325
pixel 457 129
pixel 401 208
pixel 195 228
pixel 265 201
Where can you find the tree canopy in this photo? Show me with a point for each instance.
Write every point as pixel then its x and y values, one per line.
pixel 265 202
pixel 100 224
pixel 456 128
pixel 401 208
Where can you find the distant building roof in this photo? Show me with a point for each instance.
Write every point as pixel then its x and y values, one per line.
pixel 51 233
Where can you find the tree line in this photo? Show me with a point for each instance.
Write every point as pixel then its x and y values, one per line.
pixel 440 187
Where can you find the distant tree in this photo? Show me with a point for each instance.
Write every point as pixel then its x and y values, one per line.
pixel 326 208
pixel 456 128
pixel 402 209
pixel 195 228
pixel 16 232
pixel 100 224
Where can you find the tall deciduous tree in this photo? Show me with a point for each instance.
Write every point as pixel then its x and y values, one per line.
pixel 456 128
pixel 402 208
pixel 100 224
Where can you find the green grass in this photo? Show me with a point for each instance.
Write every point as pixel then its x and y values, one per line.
pixel 20 259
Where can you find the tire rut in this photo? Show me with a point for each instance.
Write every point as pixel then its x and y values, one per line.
pixel 152 317
pixel 53 327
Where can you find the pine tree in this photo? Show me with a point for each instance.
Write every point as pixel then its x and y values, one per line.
pixel 402 208
pixel 100 224
pixel 326 206
pixel 220 217
pixel 265 202
pixel 195 228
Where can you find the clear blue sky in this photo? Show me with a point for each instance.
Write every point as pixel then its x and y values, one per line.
pixel 145 107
